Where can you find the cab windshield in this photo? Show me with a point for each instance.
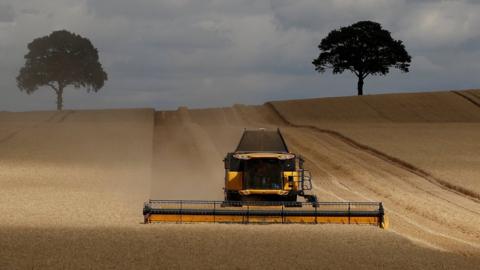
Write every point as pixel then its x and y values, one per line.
pixel 263 173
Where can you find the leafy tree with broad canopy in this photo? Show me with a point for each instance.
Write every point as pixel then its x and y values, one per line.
pixel 363 48
pixel 59 60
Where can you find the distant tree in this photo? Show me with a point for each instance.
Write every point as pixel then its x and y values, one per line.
pixel 363 48
pixel 59 60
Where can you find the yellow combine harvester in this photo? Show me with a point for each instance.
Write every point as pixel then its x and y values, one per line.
pixel 263 181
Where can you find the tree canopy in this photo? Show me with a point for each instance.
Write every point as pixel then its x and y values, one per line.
pixel 59 60
pixel 364 48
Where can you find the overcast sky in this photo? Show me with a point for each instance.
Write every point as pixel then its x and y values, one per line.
pixel 203 53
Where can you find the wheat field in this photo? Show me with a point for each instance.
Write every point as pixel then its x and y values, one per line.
pixel 72 185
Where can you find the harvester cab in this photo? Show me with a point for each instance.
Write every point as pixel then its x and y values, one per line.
pixel 263 169
pixel 263 183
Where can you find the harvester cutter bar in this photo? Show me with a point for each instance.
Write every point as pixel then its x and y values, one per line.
pixel 175 211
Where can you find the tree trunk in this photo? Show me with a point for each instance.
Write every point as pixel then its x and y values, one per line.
pixel 360 86
pixel 60 99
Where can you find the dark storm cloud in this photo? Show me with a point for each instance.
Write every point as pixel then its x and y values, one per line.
pixel 200 53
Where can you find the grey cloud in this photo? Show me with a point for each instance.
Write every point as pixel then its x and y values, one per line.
pixel 440 24
pixel 188 38
pixel 322 16
pixel 175 9
pixel 7 13
pixel 30 11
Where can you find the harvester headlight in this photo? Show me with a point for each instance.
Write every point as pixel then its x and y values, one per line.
pixel 241 156
pixel 286 156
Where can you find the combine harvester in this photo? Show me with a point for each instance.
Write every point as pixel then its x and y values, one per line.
pixel 263 181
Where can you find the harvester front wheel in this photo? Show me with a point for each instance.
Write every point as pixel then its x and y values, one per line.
pixel 230 196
